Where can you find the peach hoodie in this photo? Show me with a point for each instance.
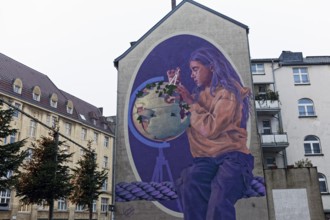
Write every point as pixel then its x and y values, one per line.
pixel 215 124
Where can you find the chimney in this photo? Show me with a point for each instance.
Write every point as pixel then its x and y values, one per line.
pixel 173 4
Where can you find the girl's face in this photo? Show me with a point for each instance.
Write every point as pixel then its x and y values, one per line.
pixel 201 74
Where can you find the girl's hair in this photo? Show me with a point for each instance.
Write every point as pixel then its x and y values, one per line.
pixel 223 75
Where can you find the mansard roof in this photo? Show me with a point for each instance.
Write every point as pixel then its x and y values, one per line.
pixel 11 69
pixel 288 58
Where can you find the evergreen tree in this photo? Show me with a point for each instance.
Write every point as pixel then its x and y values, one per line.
pixel 87 181
pixel 46 176
pixel 11 155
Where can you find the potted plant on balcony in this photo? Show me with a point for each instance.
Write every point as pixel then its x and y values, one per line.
pixel 268 95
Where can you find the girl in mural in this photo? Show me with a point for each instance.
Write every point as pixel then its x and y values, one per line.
pixel 222 166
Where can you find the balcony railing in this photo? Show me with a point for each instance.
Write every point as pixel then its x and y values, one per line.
pixel 267 107
pixel 274 142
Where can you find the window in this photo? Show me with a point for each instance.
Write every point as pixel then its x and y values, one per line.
pixel 106 142
pixel 24 207
pixel 69 110
pixel 96 138
pixel 69 107
pixel 33 128
pixel 17 89
pixel 16 112
pixel 270 162
pixel 43 205
pixel 83 134
pixel 29 154
pixel 104 204
pixel 53 103
pixel 94 121
pixel 300 75
pixel 312 145
pixel 105 185
pixel 36 97
pixel 306 107
pixel 51 121
pixel 62 205
pixel 12 138
pixel 94 205
pixel 53 100
pixel 105 162
pixel 17 86
pixel 68 128
pixel 323 183
pixel 4 199
pixel 36 93
pixel 266 127
pixel 80 207
pixel 257 68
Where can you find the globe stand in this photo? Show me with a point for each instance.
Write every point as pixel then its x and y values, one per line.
pixel 158 174
pixel 161 162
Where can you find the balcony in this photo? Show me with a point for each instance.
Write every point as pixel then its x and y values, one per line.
pixel 274 143
pixel 267 107
pixel 267 103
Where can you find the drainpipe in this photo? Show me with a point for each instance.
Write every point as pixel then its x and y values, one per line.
pixel 280 124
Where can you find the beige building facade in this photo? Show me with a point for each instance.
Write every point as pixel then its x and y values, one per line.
pixel 41 106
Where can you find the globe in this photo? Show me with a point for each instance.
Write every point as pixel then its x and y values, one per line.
pixel 159 113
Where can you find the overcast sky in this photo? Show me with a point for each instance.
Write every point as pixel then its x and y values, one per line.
pixel 75 42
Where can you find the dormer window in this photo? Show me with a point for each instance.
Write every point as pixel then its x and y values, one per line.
pixel 36 93
pixel 69 107
pixel 17 86
pixel 53 100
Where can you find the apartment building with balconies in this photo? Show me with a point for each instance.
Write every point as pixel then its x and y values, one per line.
pixel 292 105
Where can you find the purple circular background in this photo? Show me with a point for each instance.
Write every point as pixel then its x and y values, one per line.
pixel 169 54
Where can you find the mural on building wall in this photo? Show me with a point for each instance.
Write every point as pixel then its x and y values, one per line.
pixel 187 125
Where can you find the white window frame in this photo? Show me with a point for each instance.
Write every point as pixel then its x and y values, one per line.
pixel 68 128
pixel 33 128
pixel 5 196
pixel 36 96
pixel 258 67
pixel 323 180
pixel 17 89
pixel 105 162
pixel 69 110
pixel 104 204
pixel 96 137
pixel 83 134
pixel 312 144
pixel 306 106
pixel 300 72
pixel 105 185
pixel 53 103
pixel 62 205
pixel 54 121
pixel 106 141
pixel 16 112
pixel 80 208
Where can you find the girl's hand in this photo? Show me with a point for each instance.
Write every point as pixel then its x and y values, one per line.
pixel 185 94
